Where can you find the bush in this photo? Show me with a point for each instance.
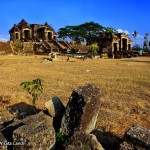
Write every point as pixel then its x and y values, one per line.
pixel 18 47
pixel 33 88
pixel 93 49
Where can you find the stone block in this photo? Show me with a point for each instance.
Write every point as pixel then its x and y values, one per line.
pixel 138 136
pixel 55 107
pixel 81 141
pixel 81 111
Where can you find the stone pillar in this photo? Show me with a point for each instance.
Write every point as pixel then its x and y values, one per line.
pixel 46 35
pixel 127 44
pixel 81 111
pixel 30 35
pixel 121 43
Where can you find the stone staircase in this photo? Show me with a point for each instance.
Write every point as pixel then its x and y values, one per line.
pixel 61 47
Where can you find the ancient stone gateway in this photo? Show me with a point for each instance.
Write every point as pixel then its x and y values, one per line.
pixel 114 44
pixel 41 38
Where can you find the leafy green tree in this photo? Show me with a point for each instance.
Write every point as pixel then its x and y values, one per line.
pixel 63 33
pixel 135 33
pixel 88 31
pixel 110 30
pixel 91 31
pixel 93 49
pixel 34 88
pixel 18 47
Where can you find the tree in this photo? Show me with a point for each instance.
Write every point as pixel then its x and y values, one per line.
pixel 88 31
pixel 110 30
pixel 135 33
pixel 18 47
pixel 91 32
pixel 93 49
pixel 63 33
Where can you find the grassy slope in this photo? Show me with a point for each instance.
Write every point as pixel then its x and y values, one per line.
pixel 125 85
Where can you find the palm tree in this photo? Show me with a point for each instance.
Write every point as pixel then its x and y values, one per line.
pixel 135 33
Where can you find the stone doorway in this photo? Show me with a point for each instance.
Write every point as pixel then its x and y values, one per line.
pixel 16 36
pixel 124 44
pixel 129 47
pixel 26 35
pixel 115 47
pixel 40 33
pixel 49 35
pixel 115 50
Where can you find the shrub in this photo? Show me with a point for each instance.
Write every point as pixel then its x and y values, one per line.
pixel 93 49
pixel 34 88
pixel 18 47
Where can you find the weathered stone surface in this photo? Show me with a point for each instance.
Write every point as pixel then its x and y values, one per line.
pixel 55 107
pixel 3 145
pixel 81 111
pixel 36 132
pixel 81 141
pixel 5 121
pixel 138 136
pixel 129 146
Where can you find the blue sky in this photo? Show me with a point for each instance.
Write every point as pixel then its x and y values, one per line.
pixel 126 15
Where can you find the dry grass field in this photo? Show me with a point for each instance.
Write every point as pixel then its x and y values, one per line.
pixel 125 85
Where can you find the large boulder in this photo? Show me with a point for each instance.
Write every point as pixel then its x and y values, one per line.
pixel 55 107
pixel 138 136
pixel 81 141
pixel 36 133
pixel 81 111
pixel 33 132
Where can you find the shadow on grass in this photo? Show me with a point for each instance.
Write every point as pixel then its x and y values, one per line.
pixel 108 140
pixel 22 110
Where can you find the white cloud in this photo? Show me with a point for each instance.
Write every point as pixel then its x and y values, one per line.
pixel 123 31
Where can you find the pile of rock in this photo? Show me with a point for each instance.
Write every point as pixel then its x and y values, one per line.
pixel 75 123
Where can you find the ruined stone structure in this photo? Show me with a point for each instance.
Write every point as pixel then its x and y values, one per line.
pixel 115 44
pixel 37 38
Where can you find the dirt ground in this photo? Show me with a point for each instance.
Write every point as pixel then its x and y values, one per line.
pixel 125 86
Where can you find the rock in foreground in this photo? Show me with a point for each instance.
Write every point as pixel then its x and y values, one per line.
pixel 136 138
pixel 81 111
pixel 36 133
pixel 55 107
pixel 82 141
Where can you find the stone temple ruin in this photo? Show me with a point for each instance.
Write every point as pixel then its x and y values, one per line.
pixel 41 39
pixel 38 38
pixel 115 44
